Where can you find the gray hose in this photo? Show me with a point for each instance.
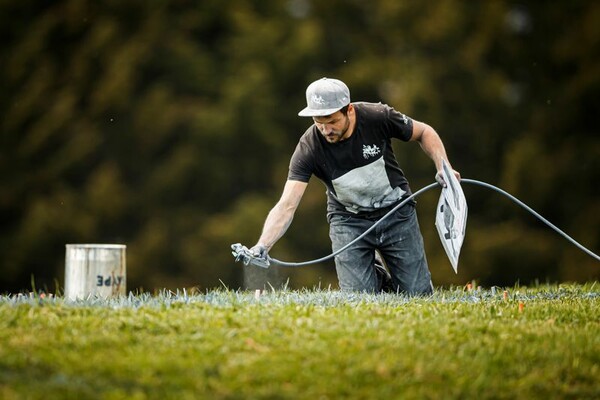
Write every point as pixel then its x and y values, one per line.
pixel 419 192
pixel 532 211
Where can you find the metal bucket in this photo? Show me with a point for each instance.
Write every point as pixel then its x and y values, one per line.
pixel 95 270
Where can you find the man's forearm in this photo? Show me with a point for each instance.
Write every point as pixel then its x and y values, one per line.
pixel 280 217
pixel 276 224
pixel 432 146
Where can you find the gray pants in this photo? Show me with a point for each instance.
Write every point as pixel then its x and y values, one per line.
pixel 399 241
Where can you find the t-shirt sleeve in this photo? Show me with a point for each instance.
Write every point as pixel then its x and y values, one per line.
pixel 301 163
pixel 400 126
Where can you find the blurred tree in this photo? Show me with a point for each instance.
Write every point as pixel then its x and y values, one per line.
pixel 168 126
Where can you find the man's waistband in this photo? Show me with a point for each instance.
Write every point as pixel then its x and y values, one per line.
pixel 371 215
pixel 377 214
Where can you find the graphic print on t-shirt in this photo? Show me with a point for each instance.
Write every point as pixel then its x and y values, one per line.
pixel 370 151
pixel 366 188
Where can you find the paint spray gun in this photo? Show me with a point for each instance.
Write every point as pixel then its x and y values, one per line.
pixel 246 256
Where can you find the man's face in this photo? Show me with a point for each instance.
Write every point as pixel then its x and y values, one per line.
pixel 333 127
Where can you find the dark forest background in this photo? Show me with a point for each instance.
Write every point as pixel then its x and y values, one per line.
pixel 168 126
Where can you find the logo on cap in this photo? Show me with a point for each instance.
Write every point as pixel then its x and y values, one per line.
pixel 317 99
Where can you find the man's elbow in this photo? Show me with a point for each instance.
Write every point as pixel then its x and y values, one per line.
pixel 421 131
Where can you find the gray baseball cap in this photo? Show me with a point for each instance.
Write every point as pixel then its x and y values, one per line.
pixel 324 97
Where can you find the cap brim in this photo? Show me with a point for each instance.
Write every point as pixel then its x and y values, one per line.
pixel 309 112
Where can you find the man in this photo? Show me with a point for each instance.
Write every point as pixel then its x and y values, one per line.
pixel 348 147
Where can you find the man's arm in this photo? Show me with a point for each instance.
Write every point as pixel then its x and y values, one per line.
pixel 432 145
pixel 280 217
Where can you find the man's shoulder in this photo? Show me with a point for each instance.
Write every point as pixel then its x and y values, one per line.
pixel 372 108
pixel 373 112
pixel 384 119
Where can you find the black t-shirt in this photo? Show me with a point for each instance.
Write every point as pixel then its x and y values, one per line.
pixel 361 173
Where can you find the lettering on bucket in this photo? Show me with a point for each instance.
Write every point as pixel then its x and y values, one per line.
pixel 109 281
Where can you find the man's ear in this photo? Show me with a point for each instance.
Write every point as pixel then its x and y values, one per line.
pixel 351 108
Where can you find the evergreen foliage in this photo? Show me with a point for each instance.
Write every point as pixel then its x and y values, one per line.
pixel 168 126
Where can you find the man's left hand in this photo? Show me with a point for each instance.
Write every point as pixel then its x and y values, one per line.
pixel 439 177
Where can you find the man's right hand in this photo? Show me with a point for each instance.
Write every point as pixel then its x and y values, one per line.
pixel 260 251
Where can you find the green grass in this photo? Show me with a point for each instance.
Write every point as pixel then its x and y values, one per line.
pixel 308 344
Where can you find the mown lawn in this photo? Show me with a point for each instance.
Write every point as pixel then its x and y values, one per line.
pixel 541 342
